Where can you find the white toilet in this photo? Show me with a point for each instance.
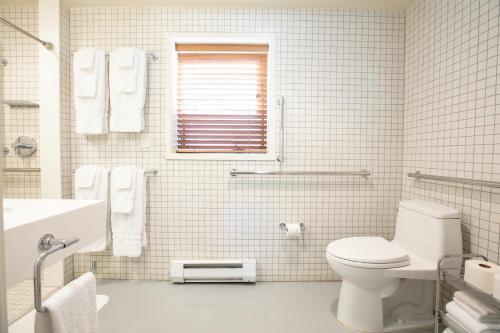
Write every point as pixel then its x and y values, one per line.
pixel 387 286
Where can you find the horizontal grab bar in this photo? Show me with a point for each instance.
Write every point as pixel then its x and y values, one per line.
pixel 417 175
pixel 363 173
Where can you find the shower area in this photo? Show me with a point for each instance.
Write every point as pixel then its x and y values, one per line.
pixel 19 72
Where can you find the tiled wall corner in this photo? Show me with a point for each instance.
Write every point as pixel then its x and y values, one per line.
pixel 452 112
pixel 20 82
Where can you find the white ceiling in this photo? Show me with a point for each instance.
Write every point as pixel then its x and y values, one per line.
pixel 354 4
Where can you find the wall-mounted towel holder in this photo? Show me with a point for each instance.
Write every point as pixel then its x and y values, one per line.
pixel 48 244
pixel 147 172
pixel 153 56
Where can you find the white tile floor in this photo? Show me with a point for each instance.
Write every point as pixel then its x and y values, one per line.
pixel 267 307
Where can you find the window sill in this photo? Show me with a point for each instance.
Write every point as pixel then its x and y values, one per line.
pixel 222 157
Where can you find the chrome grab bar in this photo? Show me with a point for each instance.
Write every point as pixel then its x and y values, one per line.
pixel 47 45
pixel 49 244
pixel 363 173
pixel 281 103
pixel 417 175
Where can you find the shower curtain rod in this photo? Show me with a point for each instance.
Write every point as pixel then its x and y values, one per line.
pixel 47 45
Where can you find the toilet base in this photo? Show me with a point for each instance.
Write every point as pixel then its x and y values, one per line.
pixel 402 305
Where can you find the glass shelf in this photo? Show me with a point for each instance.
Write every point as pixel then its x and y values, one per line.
pixel 20 104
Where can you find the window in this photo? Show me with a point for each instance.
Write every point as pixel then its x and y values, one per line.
pixel 221 94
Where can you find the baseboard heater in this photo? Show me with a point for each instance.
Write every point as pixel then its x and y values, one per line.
pixel 185 271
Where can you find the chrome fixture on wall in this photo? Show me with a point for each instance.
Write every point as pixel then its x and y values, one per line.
pixel 281 103
pixel 24 146
pixel 153 56
pixel 47 45
pixel 363 173
pixel 49 244
pixel 417 175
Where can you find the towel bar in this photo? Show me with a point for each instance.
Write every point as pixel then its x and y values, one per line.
pixel 49 244
pixel 147 172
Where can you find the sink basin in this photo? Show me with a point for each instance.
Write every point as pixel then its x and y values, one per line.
pixel 26 220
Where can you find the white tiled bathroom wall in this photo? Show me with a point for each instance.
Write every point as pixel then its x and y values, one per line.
pixel 452 111
pixel 341 73
pixel 20 82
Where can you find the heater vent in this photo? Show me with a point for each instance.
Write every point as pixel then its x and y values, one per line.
pixel 184 271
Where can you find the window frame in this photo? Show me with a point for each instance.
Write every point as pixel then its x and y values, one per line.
pixel 219 38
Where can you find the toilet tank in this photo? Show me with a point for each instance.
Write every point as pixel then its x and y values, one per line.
pixel 428 230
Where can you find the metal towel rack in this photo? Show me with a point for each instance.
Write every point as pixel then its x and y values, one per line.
pixel 147 172
pixel 363 173
pixel 49 244
pixel 417 175
pixel 149 54
pixel 151 172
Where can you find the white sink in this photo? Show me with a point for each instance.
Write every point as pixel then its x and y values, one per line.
pixel 26 220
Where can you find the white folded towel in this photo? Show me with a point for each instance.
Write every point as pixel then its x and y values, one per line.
pixel 123 189
pixel 71 309
pixel 85 73
pixel 129 234
pixel 127 87
pixel 448 330
pixel 97 189
pixel 125 57
pixel 92 110
pixel 84 59
pixel 469 323
pixel 475 308
pixel 85 176
pixel 489 318
pixel 124 62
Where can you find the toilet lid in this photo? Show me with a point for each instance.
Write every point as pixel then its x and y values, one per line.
pixel 372 250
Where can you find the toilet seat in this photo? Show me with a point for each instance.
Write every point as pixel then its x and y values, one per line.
pixel 368 252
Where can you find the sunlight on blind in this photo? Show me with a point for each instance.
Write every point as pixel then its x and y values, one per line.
pixel 221 98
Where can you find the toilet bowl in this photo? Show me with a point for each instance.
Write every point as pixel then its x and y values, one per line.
pixel 387 285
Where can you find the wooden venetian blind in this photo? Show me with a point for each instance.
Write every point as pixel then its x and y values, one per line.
pixel 221 98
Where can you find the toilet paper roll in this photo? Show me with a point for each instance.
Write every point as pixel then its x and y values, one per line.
pixel 293 230
pixel 496 286
pixel 481 274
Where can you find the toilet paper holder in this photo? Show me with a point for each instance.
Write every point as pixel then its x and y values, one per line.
pixel 284 227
